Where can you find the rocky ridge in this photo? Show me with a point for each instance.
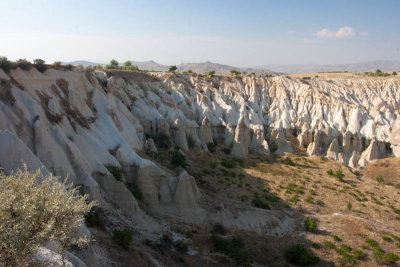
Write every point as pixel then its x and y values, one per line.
pixel 79 123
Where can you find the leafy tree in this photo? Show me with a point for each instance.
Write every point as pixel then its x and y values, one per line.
pixel 34 213
pixel 211 73
pixel 40 64
pixel 127 64
pixel 394 73
pixel 112 65
pixel 378 71
pixel 173 68
pixel 57 64
pixel 24 64
pixel 6 65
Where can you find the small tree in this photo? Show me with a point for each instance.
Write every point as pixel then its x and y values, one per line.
pixel 378 71
pixel 394 73
pixel 6 65
pixel 33 213
pixel 127 64
pixel 211 73
pixel 40 64
pixel 112 65
pixel 173 68
pixel 24 64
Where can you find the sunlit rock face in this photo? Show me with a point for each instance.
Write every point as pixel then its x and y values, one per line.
pixel 78 123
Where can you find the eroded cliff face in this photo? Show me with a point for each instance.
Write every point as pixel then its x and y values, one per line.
pixel 77 123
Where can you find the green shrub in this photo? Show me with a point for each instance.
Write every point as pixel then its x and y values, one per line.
pixel 173 68
pixel 57 64
pixel 330 172
pixel 233 248
pixel 39 64
pixel 358 254
pixel 336 238
pixel 116 172
pixel 32 214
pixel 299 255
pixel 329 244
pixel 190 141
pixel 309 199
pixel 137 194
pixel 378 254
pixel 349 206
pixel 310 225
pixel 211 73
pixel 379 179
pixel 93 219
pixel 178 159
pixel 112 65
pixel 394 73
pixel 391 258
pixel 24 64
pixel 259 203
pixel 372 243
pixel 211 147
pixel 228 164
pixel 6 65
pixel 227 150
pixel 387 239
pixel 288 161
pixel 123 238
pixel 274 148
pixel 219 229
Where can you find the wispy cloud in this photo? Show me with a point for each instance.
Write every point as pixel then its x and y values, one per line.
pixel 290 32
pixel 342 32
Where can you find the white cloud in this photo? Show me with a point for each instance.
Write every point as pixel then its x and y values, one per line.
pixel 290 32
pixel 342 32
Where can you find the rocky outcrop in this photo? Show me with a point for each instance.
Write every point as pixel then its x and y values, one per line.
pixel 241 140
pixel 205 133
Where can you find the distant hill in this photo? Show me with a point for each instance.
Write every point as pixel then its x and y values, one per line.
pixel 150 65
pixel 219 68
pixel 384 65
pixel 83 63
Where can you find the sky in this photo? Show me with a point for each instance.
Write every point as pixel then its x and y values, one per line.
pixel 239 33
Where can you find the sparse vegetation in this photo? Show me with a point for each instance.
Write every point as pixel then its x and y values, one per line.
pixel 116 172
pixel 173 68
pixel 123 237
pixel 310 225
pixel 233 248
pixel 178 159
pixel 380 179
pixel 32 214
pixel 24 64
pixel 39 64
pixel 299 255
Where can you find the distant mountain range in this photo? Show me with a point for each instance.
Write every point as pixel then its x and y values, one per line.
pixel 195 67
pixel 384 65
pixel 275 69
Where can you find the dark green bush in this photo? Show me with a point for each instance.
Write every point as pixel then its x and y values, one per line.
pixel 112 65
pixel 6 65
pixel 116 172
pixel 379 179
pixel 178 159
pixel 259 203
pixel 137 194
pixel 123 238
pixel 233 248
pixel 299 255
pixel 329 244
pixel 190 141
pixel 211 147
pixel 227 150
pixel 330 172
pixel 24 64
pixel 378 254
pixel 39 64
pixel 288 161
pixel 93 219
pixel 228 164
pixel 310 225
pixel 219 229
pixel 336 238
pixel 358 254
pixel 173 68
pixel 391 258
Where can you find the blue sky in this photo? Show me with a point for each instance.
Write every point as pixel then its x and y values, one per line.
pixel 240 33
